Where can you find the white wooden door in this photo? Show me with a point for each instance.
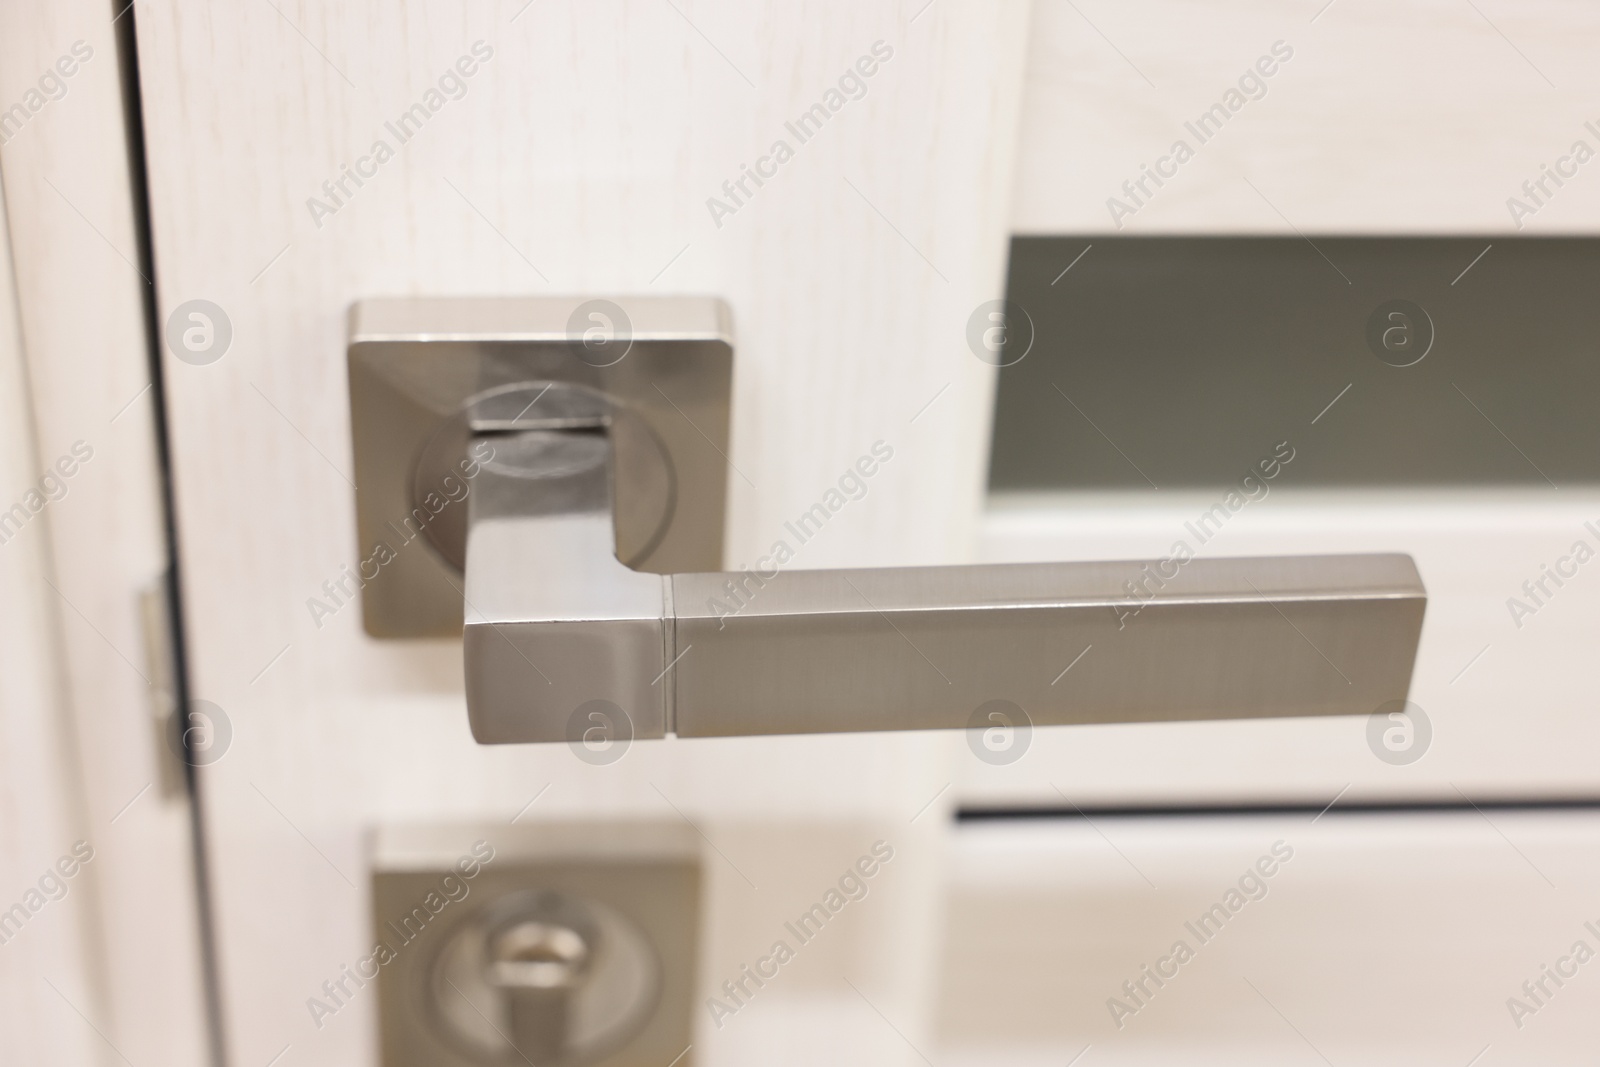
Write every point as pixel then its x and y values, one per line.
pixel 604 148
pixel 593 148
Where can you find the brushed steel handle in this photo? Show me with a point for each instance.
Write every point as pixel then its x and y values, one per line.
pixel 590 444
pixel 555 624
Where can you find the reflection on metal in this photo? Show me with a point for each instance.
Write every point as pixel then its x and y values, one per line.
pixel 571 945
pixel 428 374
pixel 557 979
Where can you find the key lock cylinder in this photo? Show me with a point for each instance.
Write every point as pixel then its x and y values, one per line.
pixel 561 944
pixel 544 977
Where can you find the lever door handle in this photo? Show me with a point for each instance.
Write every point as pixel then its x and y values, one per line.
pixel 930 647
pixel 582 426
pixel 556 624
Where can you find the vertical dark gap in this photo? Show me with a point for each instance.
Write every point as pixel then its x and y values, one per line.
pixel 133 119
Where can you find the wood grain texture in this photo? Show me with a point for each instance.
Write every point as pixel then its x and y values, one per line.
pixel 1385 938
pixel 580 159
pixel 41 789
pixel 1415 116
pixel 70 208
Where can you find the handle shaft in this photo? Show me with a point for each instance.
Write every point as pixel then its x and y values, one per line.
pixel 923 648
pixel 555 623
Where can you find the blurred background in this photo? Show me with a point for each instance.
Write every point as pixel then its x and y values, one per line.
pixel 211 792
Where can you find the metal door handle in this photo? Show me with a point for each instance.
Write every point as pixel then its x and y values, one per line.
pixel 558 630
pixel 554 622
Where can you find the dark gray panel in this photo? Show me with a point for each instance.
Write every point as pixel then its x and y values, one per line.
pixel 1194 356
